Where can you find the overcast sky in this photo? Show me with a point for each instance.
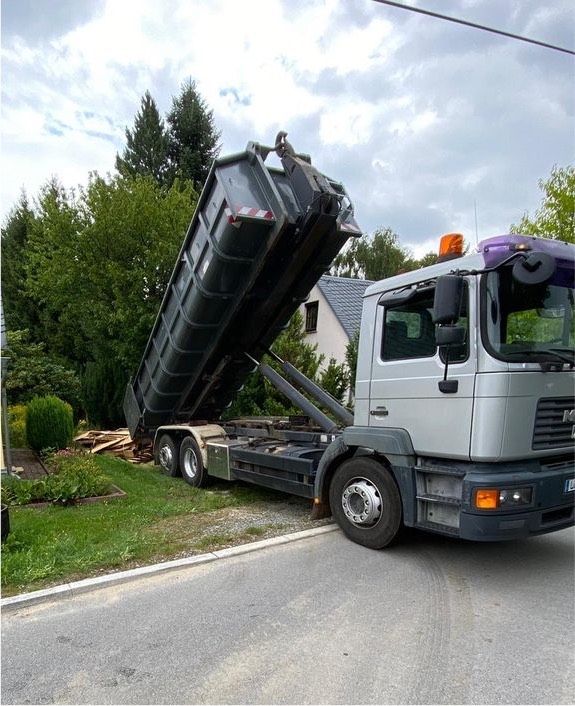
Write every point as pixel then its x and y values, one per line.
pixel 422 120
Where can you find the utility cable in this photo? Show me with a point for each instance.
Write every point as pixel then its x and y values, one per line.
pixel 421 11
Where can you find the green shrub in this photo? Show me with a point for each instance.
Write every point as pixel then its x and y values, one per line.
pixel 17 426
pixel 49 423
pixel 71 478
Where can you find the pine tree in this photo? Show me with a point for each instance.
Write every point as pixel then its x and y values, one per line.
pixel 146 151
pixel 193 138
pixel 19 310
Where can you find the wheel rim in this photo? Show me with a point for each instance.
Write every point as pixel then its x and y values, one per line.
pixel 190 465
pixel 361 502
pixel 166 457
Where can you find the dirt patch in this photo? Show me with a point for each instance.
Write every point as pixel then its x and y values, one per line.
pixel 27 465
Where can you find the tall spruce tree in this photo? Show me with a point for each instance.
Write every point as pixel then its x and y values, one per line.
pixel 193 138
pixel 146 151
pixel 19 309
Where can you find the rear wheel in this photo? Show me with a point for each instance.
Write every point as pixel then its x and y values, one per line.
pixel 365 502
pixel 191 463
pixel 168 455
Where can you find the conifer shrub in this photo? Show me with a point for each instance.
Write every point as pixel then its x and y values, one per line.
pixel 49 423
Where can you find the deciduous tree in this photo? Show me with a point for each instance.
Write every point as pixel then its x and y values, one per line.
pixel 375 257
pixel 555 217
pixel 33 373
pixel 99 264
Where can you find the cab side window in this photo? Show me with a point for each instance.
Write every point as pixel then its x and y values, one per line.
pixel 409 331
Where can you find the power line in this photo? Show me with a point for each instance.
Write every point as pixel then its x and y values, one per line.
pixel 475 26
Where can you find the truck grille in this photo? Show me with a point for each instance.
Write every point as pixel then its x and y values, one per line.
pixel 550 431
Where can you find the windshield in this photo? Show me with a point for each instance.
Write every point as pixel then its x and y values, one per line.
pixel 521 322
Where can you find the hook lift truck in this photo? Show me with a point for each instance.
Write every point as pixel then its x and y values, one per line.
pixel 464 414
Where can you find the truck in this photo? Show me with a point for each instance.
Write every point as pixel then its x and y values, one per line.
pixel 464 414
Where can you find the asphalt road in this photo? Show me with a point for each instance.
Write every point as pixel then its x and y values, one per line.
pixel 319 621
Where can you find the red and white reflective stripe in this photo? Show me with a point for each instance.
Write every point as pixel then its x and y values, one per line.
pixel 255 213
pixel 250 212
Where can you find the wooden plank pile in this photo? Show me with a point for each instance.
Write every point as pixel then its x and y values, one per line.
pixel 116 442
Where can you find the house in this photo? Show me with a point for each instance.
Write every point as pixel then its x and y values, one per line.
pixel 332 314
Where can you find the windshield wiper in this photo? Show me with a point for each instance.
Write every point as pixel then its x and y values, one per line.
pixel 557 354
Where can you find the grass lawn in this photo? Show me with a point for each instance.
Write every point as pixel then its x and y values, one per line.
pixel 160 518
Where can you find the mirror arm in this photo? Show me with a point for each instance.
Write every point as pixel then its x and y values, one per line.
pixel 463 273
pixel 447 386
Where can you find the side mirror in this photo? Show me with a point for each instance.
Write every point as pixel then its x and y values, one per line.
pixel 536 268
pixel 446 310
pixel 447 301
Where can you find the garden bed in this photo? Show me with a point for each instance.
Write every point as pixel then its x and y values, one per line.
pixel 70 477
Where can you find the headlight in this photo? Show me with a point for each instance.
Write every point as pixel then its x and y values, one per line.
pixel 494 498
pixel 509 497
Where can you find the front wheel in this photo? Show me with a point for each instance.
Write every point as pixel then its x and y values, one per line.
pixel 191 463
pixel 365 502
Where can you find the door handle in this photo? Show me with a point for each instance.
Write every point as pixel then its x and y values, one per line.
pixel 379 412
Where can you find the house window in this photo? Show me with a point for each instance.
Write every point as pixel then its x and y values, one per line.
pixel 311 310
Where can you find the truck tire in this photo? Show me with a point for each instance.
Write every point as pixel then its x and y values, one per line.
pixel 365 502
pixel 192 464
pixel 168 455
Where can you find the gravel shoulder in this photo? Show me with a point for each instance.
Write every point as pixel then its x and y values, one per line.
pixel 232 526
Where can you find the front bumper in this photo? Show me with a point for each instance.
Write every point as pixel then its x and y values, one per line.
pixel 552 507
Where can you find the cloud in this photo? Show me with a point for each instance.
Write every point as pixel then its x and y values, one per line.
pixel 36 21
pixel 423 121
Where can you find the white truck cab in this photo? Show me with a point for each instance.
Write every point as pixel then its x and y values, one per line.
pixel 484 448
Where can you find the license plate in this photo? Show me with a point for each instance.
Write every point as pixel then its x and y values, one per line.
pixel 570 485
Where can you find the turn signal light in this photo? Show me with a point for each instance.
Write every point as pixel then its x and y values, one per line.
pixel 487 498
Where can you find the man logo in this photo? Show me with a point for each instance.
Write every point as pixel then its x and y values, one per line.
pixel 569 416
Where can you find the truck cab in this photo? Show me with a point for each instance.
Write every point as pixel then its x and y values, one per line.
pixel 477 435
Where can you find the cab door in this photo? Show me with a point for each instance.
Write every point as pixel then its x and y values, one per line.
pixel 407 368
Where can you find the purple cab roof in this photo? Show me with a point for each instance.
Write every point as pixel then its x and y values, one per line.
pixel 500 247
